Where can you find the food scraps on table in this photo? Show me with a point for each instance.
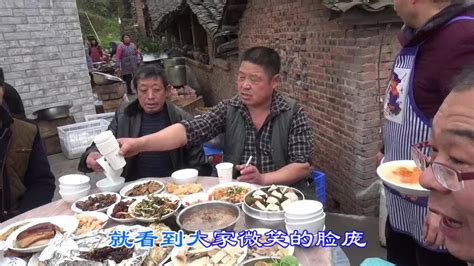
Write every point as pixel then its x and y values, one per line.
pixel 97 202
pixel 149 187
pixel 184 189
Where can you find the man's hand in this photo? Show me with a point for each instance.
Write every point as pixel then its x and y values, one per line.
pixel 91 162
pixel 431 234
pixel 378 158
pixel 130 146
pixel 250 174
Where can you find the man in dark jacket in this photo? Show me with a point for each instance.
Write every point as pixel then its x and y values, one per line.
pixel 149 114
pixel 26 181
pixel 12 98
pixel 437 41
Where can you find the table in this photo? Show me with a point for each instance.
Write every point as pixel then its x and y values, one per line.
pixel 311 256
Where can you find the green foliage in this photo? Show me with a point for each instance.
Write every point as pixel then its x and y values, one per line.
pixel 104 17
pixel 286 261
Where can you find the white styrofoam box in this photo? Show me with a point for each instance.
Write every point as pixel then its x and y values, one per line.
pixel 77 137
pixel 106 116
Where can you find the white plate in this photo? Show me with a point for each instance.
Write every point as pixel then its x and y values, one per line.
pixel 128 187
pixel 75 209
pixel 195 198
pixel 111 209
pixel 99 215
pixel 24 222
pixel 176 251
pixel 289 250
pixel 241 184
pixel 408 189
pixel 67 223
pixel 150 220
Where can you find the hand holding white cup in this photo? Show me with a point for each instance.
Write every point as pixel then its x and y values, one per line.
pixel 109 147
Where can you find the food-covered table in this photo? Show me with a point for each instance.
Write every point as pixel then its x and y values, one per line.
pixel 306 256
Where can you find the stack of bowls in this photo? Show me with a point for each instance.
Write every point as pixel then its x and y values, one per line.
pixel 255 218
pixel 74 187
pixel 305 215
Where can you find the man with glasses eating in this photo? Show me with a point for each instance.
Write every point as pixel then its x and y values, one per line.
pixel 449 169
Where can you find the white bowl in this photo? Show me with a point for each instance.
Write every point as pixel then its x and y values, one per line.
pixel 74 180
pixel 311 226
pixel 71 189
pixel 73 196
pixel 303 220
pixel 106 185
pixel 184 176
pixel 303 209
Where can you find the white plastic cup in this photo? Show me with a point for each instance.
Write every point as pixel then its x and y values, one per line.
pixel 225 172
pixel 109 171
pixel 106 142
pixel 115 159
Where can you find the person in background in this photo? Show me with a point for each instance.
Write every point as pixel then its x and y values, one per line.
pixel 148 114
pixel 26 181
pixel 95 51
pixel 127 60
pixel 437 41
pixel 258 122
pixel 11 98
pixel 449 170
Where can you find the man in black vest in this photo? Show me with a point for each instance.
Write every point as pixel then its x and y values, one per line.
pixel 258 122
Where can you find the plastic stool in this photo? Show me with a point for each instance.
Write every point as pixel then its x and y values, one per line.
pixel 319 179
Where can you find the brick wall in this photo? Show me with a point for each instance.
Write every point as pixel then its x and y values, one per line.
pixel 331 68
pixel 42 54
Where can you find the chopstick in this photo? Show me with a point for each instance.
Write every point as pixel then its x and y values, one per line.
pixel 248 161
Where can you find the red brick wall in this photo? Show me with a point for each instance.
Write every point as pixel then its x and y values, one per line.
pixel 331 68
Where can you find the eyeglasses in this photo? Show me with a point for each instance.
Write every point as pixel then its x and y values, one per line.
pixel 446 176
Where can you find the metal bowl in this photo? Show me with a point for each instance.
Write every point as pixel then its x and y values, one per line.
pixel 105 79
pixel 253 221
pixel 267 214
pixel 215 205
pixel 52 113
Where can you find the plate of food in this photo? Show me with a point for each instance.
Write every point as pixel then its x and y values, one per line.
pixel 158 255
pixel 200 255
pixel 403 176
pixel 95 202
pixel 184 189
pixel 154 207
pixel 35 236
pixel 273 251
pixel 142 188
pixel 272 198
pixel 7 231
pixel 231 192
pixel 90 222
pixel 271 261
pixel 119 211
pixel 196 198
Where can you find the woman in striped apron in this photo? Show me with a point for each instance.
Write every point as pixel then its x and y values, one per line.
pixel 127 60
pixel 406 125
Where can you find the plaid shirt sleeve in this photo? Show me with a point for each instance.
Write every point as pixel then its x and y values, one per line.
pixel 301 139
pixel 207 126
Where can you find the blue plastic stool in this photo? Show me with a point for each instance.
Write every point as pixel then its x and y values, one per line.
pixel 319 179
pixel 214 157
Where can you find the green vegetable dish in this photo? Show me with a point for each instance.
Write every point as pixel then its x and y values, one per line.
pixel 155 207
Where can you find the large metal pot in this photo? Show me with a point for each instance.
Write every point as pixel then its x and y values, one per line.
pixel 213 205
pixel 177 76
pixel 105 79
pixel 52 113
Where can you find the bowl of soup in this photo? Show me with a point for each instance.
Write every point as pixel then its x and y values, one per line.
pixel 402 176
pixel 209 216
